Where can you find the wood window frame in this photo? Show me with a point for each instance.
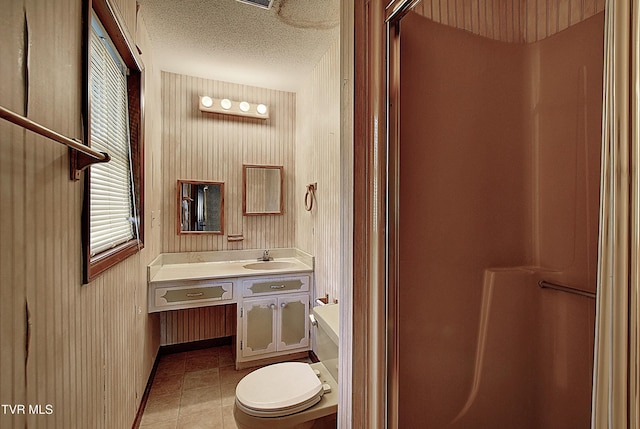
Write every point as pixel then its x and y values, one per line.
pixel 113 24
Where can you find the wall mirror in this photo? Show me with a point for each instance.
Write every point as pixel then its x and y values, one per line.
pixel 200 207
pixel 262 190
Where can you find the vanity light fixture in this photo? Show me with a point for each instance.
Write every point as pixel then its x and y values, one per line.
pixel 230 107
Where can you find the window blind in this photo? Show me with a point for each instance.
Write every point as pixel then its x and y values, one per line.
pixel 111 208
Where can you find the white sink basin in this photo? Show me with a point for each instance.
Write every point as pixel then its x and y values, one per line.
pixel 269 265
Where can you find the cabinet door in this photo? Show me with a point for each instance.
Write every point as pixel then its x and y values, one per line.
pixel 259 326
pixel 293 322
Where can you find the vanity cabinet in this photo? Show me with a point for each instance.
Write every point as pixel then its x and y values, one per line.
pixel 271 298
pixel 274 317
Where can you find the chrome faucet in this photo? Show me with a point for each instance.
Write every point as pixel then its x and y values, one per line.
pixel 265 256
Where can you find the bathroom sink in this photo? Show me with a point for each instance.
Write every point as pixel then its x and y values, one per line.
pixel 269 265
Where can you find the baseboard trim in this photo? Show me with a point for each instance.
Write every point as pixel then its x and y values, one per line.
pixel 145 395
pixel 194 345
pixel 313 357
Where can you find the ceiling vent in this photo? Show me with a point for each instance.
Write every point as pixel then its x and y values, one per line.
pixel 265 4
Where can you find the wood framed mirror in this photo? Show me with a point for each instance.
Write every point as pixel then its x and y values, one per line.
pixel 262 190
pixel 200 207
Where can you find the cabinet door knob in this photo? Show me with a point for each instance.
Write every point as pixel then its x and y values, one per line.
pixel 272 306
pixel 283 305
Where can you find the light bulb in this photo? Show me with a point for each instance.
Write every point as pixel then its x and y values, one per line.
pixel 262 109
pixel 244 106
pixel 225 103
pixel 207 101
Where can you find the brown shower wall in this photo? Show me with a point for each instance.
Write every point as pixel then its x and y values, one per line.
pixel 464 208
pixel 564 121
pixel 565 133
pixel 499 189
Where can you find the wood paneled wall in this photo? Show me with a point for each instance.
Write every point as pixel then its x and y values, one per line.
pixel 194 324
pixel 515 21
pixel 544 18
pixel 12 188
pixel 85 350
pixel 318 161
pixel 213 147
pixel 302 134
pixel 495 19
pixel 348 389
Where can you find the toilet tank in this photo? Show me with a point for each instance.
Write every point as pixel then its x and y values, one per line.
pixel 327 329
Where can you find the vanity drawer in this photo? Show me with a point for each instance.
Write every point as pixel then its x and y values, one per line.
pixel 275 285
pixel 170 296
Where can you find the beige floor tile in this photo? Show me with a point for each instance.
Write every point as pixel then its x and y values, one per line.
pixel 203 378
pixel 166 384
pixel 171 364
pixel 227 417
pixel 201 421
pixel 211 351
pixel 173 357
pixel 228 394
pixel 226 356
pixel 202 400
pixel 201 361
pixel 170 424
pixel 229 375
pixel 161 409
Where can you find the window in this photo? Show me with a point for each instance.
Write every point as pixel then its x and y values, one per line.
pixel 112 215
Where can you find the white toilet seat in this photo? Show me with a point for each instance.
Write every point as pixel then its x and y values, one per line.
pixel 279 390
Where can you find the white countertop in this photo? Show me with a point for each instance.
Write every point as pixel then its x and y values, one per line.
pixel 208 265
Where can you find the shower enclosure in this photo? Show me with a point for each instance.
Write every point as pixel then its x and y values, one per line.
pixel 496 130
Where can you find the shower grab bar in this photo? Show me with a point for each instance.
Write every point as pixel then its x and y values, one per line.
pixel 568 289
pixel 83 157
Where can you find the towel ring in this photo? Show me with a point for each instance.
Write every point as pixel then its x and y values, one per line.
pixel 310 196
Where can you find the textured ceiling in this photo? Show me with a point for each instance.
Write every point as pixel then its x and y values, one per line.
pixel 236 42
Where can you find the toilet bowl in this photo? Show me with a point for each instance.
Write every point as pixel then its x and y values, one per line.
pixel 293 395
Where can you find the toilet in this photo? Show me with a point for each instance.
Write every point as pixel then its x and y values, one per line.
pixel 295 395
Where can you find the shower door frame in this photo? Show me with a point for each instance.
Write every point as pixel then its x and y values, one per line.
pixel 396 10
pixel 374 359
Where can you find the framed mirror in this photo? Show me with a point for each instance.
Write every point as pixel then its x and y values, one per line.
pixel 262 190
pixel 200 207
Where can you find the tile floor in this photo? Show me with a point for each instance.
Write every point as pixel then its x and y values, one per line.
pixel 194 390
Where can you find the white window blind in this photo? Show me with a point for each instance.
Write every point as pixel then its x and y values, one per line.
pixel 111 207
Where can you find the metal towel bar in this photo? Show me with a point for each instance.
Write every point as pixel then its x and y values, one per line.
pixel 568 289
pixel 83 156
